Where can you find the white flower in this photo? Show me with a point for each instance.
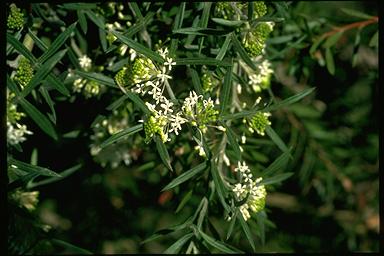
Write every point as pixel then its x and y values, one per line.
pixel 133 54
pixel 85 62
pixel 163 76
pixel 243 168
pixel 170 63
pixel 239 190
pixel 176 121
pixel 248 178
pixel 15 135
pixel 201 150
pixel 167 106
pixel 163 52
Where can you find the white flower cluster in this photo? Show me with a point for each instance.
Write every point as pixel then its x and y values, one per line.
pixel 85 62
pixel 260 79
pixel 248 187
pixel 16 133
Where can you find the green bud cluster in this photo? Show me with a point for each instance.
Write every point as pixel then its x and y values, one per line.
pixel 260 9
pixel 259 122
pixel 254 41
pixel 258 202
pixel 15 19
pixel 154 126
pixel 225 10
pixel 91 89
pixel 12 115
pixel 208 82
pixel 122 78
pixel 142 69
pixel 24 72
pixel 205 114
pixel 29 200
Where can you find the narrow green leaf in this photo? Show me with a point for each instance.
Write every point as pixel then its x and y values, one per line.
pixel 29 168
pixel 196 81
pixel 37 41
pixel 121 135
pixel 136 10
pixel 185 199
pixel 226 90
pixel 97 77
pixel 374 42
pixel 166 231
pixel 70 247
pixel 220 189
pixel 251 9
pixel 329 61
pixel 233 141
pixel 278 164
pixel 78 6
pixel 175 247
pixel 62 174
pixel 218 244
pixel 138 102
pixel 224 48
pixel 278 105
pixel 57 84
pixel 229 23
pixel 276 139
pixel 82 21
pixel 246 230
pixel 139 25
pixel 139 47
pixel 231 226
pixel 49 101
pixel 201 31
pixel 356 13
pixel 98 20
pixel 260 218
pixel 117 103
pixel 59 41
pixel 241 51
pixel 277 178
pixel 38 118
pixel 43 71
pixel 203 213
pixel 20 48
pixel 332 40
pixel 163 152
pixel 103 39
pixel 290 100
pixel 34 157
pixel 205 15
pixel 316 44
pixel 186 176
pixel 179 16
pixel 202 61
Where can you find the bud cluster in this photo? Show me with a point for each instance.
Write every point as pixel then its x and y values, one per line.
pixel 24 72
pixel 249 190
pixel 15 19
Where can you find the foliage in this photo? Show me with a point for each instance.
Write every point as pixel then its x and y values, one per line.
pixel 173 108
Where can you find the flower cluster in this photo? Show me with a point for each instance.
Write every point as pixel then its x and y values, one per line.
pixel 199 111
pixel 260 9
pixel 208 81
pixel 249 190
pixel 89 88
pixel 262 77
pixel 254 40
pixel 15 19
pixel 24 72
pixel 259 122
pixel 25 199
pixel 225 10
pixel 15 131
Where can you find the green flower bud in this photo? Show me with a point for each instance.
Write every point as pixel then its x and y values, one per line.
pixel 24 72
pixel 254 41
pixel 15 19
pixel 122 78
pixel 91 89
pixel 259 122
pixel 12 115
pixel 208 82
pixel 260 9
pixel 225 10
pixel 154 126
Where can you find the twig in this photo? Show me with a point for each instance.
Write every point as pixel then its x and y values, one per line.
pixel 364 23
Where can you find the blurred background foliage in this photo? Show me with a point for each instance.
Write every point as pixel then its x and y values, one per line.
pixel 330 203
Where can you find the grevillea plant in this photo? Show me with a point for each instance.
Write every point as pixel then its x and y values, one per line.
pixel 195 85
